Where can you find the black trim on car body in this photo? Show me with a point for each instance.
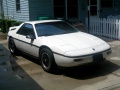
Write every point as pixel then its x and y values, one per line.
pixel 82 55
pixel 26 42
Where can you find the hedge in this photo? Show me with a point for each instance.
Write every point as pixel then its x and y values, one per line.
pixel 6 24
pixel 14 23
pixel 2 25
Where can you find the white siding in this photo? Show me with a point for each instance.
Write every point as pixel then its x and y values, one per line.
pixel 10 9
pixel 0 6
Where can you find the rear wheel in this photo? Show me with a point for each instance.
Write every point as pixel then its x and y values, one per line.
pixel 47 60
pixel 12 47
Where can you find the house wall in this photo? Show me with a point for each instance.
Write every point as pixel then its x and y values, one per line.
pixel 1 9
pixel 83 12
pixel 10 10
pixel 114 10
pixel 104 11
pixel 41 8
pixel 116 7
pixel 0 6
pixel 32 9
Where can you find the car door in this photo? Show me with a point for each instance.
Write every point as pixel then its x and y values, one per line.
pixel 27 44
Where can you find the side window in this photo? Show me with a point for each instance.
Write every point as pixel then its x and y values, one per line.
pixel 26 29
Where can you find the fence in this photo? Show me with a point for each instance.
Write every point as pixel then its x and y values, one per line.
pixel 104 27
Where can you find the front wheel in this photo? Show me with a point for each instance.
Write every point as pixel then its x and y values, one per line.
pixel 47 60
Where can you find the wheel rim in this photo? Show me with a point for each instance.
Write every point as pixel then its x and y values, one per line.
pixel 45 60
pixel 11 46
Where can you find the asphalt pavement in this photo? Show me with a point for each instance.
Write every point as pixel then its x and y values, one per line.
pixel 12 77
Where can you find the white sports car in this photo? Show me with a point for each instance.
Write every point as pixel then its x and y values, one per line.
pixel 56 43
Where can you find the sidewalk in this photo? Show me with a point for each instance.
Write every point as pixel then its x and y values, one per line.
pixel 111 41
pixel 3 36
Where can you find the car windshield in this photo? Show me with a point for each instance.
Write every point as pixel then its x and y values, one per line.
pixel 54 28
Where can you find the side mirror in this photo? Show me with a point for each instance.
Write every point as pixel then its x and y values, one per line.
pixel 30 37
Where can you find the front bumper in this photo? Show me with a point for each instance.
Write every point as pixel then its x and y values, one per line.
pixel 68 61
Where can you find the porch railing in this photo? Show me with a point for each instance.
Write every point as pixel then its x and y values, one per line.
pixel 104 27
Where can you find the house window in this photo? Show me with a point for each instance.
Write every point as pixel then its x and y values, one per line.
pixel 106 3
pixel 93 7
pixel 59 8
pixel 66 9
pixel 18 5
pixel 72 8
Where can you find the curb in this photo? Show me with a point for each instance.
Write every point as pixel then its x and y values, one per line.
pixel 3 41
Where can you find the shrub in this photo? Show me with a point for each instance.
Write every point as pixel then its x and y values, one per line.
pixel 14 23
pixel 1 15
pixel 6 24
pixel 2 25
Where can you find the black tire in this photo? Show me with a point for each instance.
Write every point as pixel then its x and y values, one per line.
pixel 47 60
pixel 12 47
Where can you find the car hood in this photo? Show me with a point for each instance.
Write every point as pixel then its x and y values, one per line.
pixel 74 41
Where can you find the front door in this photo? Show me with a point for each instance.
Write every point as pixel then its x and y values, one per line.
pixel 94 8
pixel 25 44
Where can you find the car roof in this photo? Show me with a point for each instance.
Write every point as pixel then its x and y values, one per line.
pixel 42 21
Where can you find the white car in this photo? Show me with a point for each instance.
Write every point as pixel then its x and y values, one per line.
pixel 56 43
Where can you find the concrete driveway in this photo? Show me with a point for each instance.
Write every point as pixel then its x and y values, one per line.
pixel 24 73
